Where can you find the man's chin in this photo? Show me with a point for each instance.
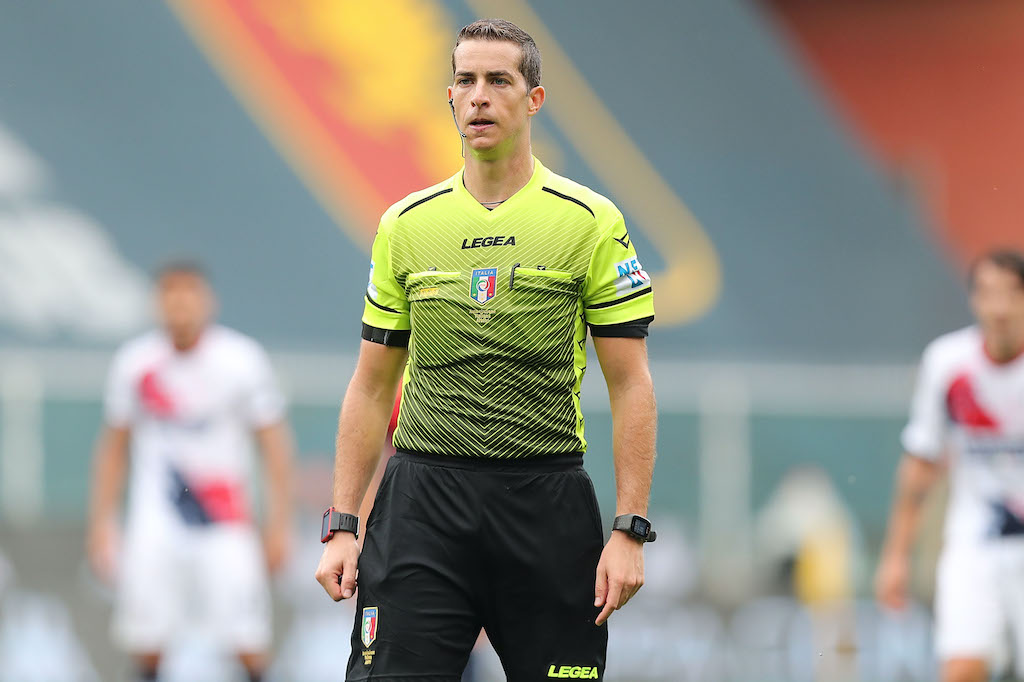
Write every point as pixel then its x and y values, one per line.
pixel 484 148
pixel 482 144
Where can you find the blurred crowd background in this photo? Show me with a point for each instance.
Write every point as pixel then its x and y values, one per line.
pixel 805 181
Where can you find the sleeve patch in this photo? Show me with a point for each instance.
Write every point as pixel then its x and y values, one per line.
pixel 630 276
pixel 371 288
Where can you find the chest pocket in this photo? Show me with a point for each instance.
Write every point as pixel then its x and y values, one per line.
pixel 546 304
pixel 543 281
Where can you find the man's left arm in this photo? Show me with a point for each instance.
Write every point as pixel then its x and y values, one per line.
pixel 620 573
pixel 275 442
pixel 265 410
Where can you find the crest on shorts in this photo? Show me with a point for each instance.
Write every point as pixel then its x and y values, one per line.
pixel 483 284
pixel 369 625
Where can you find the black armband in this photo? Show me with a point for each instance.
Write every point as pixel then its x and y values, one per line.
pixel 387 337
pixel 634 329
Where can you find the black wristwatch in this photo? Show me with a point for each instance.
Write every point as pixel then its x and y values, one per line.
pixel 636 527
pixel 335 521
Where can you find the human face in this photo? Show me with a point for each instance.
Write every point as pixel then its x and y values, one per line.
pixel 997 299
pixel 492 102
pixel 185 304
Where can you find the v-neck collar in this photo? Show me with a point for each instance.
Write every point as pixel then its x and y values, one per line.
pixel 540 174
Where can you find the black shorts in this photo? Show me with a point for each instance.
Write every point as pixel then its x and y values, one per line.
pixel 454 545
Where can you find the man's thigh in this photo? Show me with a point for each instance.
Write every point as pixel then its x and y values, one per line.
pixel 416 611
pixel 547 542
pixel 1011 581
pixel 970 619
pixel 234 590
pixel 152 591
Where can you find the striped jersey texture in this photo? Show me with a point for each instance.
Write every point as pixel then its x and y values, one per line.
pixel 497 304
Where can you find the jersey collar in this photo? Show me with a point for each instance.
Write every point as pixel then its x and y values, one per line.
pixel 540 175
pixel 1000 363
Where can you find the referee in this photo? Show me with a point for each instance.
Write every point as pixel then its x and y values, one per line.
pixel 480 295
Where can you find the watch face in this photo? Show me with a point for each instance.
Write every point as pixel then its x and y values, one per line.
pixel 641 527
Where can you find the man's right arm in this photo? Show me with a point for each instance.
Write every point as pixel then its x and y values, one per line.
pixel 110 464
pixel 362 429
pixel 915 479
pixel 924 441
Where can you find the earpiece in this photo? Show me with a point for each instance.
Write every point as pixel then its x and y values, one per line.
pixel 451 104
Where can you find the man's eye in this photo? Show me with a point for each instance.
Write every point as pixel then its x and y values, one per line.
pixel 500 81
pixel 463 81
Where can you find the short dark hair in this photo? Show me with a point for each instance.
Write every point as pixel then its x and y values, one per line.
pixel 506 31
pixel 1004 259
pixel 182 266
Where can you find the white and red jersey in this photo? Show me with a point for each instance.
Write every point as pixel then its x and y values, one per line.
pixel 971 408
pixel 191 416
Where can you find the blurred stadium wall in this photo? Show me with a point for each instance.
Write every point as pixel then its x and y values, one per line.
pixel 799 178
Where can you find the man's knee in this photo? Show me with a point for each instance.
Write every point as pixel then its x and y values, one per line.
pixel 148 666
pixel 965 670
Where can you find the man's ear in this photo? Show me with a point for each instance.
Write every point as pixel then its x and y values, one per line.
pixel 536 97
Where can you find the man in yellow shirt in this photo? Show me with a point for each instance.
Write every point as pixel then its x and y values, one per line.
pixel 481 292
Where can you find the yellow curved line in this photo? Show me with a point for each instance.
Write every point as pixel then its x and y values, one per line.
pixel 691 282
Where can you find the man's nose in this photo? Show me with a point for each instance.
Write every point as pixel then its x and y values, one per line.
pixel 480 97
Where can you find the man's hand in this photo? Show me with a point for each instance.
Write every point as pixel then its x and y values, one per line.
pixel 620 574
pixel 338 564
pixel 102 544
pixel 892 580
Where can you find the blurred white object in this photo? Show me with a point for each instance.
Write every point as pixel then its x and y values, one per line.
pixel 38 644
pixel 62 272
pixel 805 526
pixel 195 657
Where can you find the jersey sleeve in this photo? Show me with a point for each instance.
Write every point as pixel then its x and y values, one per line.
pixel 263 403
pixel 120 398
pixel 386 312
pixel 617 294
pixel 925 432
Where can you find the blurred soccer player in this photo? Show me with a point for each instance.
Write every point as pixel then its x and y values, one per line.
pixel 185 401
pixel 969 405
pixel 481 292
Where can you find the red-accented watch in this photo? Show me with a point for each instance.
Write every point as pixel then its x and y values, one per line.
pixel 334 521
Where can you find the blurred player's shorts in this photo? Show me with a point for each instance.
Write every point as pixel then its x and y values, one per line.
pixel 979 599
pixel 211 579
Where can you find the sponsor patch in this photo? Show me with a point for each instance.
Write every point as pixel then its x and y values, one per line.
pixel 483 284
pixel 369 633
pixel 425 292
pixel 629 276
pixel 371 288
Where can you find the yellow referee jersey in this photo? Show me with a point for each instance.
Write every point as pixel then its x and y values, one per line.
pixel 494 307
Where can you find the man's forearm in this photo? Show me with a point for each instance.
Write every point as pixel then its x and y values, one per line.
pixel 634 432
pixel 914 481
pixel 277 448
pixel 110 464
pixel 362 429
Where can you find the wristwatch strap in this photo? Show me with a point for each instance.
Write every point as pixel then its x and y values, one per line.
pixel 334 521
